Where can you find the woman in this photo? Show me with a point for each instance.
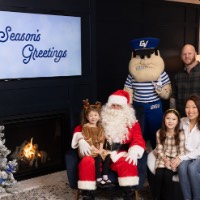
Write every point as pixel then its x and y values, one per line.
pixel 189 164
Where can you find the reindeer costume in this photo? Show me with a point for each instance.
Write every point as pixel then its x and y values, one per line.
pixel 93 133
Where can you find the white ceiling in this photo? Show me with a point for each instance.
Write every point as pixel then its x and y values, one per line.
pixel 186 1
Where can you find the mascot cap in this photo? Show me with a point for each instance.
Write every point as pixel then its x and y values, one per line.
pixel 119 97
pixel 144 43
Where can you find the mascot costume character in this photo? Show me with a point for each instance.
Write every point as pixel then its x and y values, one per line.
pixel 147 83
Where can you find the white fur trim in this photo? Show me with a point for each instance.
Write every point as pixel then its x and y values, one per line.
pixel 116 156
pixel 75 139
pixel 128 181
pixel 151 162
pixel 137 149
pixel 87 185
pixel 117 99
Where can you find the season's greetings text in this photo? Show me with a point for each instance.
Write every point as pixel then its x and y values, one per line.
pixel 29 51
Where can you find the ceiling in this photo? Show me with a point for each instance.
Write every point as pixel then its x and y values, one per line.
pixel 186 1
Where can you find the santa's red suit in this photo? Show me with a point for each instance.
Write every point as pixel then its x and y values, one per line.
pixel 126 168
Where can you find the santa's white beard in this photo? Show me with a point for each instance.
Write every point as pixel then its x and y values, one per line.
pixel 116 123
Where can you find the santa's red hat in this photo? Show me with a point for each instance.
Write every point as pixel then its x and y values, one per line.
pixel 119 97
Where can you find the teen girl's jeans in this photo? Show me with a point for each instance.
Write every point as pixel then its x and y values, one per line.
pixel 189 178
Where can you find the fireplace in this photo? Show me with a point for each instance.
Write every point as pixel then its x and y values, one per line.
pixel 37 142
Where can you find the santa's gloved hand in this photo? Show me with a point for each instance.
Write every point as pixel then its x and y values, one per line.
pixel 84 147
pixel 132 157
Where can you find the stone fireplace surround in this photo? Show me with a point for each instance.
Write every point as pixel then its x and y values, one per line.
pixel 48 131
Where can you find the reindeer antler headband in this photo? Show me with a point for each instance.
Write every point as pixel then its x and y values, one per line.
pixel 87 105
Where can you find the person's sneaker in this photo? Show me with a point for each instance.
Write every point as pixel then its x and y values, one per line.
pixel 109 183
pixel 104 183
pixel 101 183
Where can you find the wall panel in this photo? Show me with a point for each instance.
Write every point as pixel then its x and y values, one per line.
pixel 57 94
pixel 173 23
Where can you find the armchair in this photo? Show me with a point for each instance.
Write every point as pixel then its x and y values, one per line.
pixel 72 160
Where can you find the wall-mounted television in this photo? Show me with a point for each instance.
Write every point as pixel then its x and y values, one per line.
pixel 34 45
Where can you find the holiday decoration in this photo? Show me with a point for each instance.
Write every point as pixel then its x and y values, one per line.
pixel 7 168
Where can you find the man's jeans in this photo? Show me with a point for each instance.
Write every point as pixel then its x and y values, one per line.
pixel 189 178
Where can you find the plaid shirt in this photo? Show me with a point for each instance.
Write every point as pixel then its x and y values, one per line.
pixel 184 85
pixel 169 149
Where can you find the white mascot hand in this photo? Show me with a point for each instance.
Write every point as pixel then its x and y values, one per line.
pixel 165 92
pixel 84 147
pixel 132 157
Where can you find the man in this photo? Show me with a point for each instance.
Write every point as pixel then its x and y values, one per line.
pixel 125 141
pixel 186 82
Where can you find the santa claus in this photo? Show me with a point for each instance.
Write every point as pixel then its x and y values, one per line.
pixel 124 141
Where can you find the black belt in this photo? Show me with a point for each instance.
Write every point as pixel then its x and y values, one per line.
pixel 116 146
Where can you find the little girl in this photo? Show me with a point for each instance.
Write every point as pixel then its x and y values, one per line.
pixel 170 144
pixel 93 133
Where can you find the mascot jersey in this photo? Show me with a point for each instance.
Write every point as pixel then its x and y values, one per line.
pixel 127 173
pixel 144 92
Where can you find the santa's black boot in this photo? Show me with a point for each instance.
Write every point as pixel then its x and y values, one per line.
pixel 128 193
pixel 88 195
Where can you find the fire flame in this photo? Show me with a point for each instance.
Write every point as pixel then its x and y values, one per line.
pixel 29 150
pixel 29 153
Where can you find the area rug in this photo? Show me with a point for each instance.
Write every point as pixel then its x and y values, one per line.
pixel 55 186
pixel 49 187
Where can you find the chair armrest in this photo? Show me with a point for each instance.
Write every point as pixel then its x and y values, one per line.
pixel 151 162
pixel 71 163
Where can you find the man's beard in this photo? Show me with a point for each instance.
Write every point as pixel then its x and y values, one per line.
pixel 115 123
pixel 193 60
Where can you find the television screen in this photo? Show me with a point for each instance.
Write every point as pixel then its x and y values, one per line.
pixel 39 45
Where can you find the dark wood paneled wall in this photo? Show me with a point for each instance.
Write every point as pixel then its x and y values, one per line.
pixel 117 23
pixel 120 22
pixel 26 97
pixel 107 29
